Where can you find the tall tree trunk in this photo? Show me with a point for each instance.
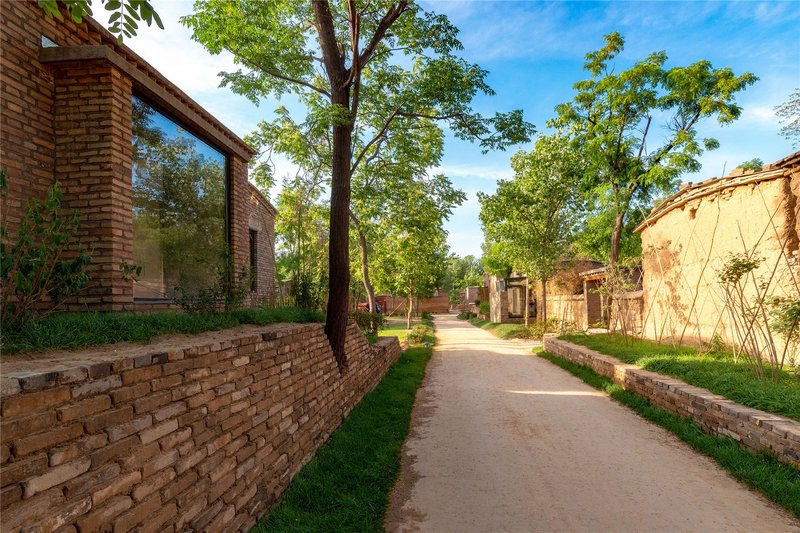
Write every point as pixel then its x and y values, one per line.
pixel 410 310
pixel 544 302
pixel 338 251
pixel 527 296
pixel 616 236
pixel 362 240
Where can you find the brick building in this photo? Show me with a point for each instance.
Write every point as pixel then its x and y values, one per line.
pixel 157 180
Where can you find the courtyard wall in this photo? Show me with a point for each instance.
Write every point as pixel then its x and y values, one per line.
pixel 201 433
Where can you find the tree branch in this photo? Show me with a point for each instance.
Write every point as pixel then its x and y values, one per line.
pixel 372 141
pixel 380 32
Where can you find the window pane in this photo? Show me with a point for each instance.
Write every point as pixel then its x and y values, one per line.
pixel 179 192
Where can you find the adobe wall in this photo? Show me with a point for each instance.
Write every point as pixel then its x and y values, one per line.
pixel 201 434
pixel 751 428
pixel 568 308
pixel 685 247
pixel 436 304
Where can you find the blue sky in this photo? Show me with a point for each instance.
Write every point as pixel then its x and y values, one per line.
pixel 534 52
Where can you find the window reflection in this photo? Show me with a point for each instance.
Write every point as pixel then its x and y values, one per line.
pixel 179 193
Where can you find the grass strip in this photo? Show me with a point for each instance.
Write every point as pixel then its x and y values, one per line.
pixel 777 481
pixel 346 487
pixel 79 330
pixel 503 331
pixel 715 371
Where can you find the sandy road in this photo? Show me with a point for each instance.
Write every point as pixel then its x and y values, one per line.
pixel 505 441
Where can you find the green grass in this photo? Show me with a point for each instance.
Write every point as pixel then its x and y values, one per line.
pixel 394 327
pixel 346 487
pixel 78 330
pixel 713 371
pixel 504 331
pixel 779 482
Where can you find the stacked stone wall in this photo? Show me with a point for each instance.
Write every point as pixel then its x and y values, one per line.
pixel 203 434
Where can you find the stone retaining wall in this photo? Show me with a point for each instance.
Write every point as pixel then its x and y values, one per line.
pixel 202 435
pixel 753 429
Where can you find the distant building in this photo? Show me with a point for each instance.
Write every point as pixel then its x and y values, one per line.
pixel 158 181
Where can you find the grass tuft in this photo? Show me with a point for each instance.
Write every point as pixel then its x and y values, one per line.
pixel 80 330
pixel 778 481
pixel 346 487
pixel 714 371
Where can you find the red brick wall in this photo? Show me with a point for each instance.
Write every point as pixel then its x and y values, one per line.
pixel 70 121
pixel 262 220
pixel 203 436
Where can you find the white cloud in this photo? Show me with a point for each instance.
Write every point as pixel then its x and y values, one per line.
pixel 492 173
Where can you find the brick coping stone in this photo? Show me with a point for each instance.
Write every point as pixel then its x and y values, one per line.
pixel 36 371
pixel 751 428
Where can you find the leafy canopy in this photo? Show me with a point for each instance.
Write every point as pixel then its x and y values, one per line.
pixel 636 128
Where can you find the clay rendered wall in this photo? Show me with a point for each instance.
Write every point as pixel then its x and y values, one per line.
pixel 568 309
pixel 199 434
pixel 436 304
pixel 684 249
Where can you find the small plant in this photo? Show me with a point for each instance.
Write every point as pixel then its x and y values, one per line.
pixel 419 334
pixel 483 307
pixel 227 293
pixel 130 272
pixel 42 267
pixel 426 315
pixel 368 322
pixel 785 315
pixel 307 292
pixel 466 315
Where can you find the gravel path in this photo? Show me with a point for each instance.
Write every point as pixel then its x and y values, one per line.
pixel 504 441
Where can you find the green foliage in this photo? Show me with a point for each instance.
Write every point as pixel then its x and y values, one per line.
pixel 42 266
pixel 124 19
pixel 785 321
pixel 368 322
pixel 531 219
pixel 789 115
pixel 228 292
pixel 715 371
pixel 466 315
pixel 777 481
pixel 616 114
pixel 483 307
pixel 426 316
pixel 421 334
pixel 459 274
pixel 346 486
pixel 80 330
pixel 307 292
pixel 752 164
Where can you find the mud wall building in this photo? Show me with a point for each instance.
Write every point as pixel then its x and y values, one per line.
pixel 157 180
pixel 687 240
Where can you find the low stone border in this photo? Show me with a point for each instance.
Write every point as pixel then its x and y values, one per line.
pixel 751 428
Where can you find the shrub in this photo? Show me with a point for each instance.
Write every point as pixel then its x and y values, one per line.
pixel 466 315
pixel 553 325
pixel 419 334
pixel 483 307
pixel 368 322
pixel 37 271
pixel 226 293
pixel 426 315
pixel 307 292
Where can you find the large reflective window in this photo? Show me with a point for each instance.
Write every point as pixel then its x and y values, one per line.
pixel 179 199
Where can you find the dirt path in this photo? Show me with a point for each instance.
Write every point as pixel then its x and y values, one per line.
pixel 504 441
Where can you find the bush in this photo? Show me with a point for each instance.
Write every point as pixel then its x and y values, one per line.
pixel 368 322
pixel 426 315
pixel 307 292
pixel 466 315
pixel 553 325
pixel 226 293
pixel 419 334
pixel 483 307
pixel 37 271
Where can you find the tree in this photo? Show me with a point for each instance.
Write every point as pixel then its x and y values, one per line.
pixel 460 273
pixel 124 19
pixel 532 217
pixel 410 255
pixel 789 114
pixel 614 119
pixel 753 164
pixel 341 59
